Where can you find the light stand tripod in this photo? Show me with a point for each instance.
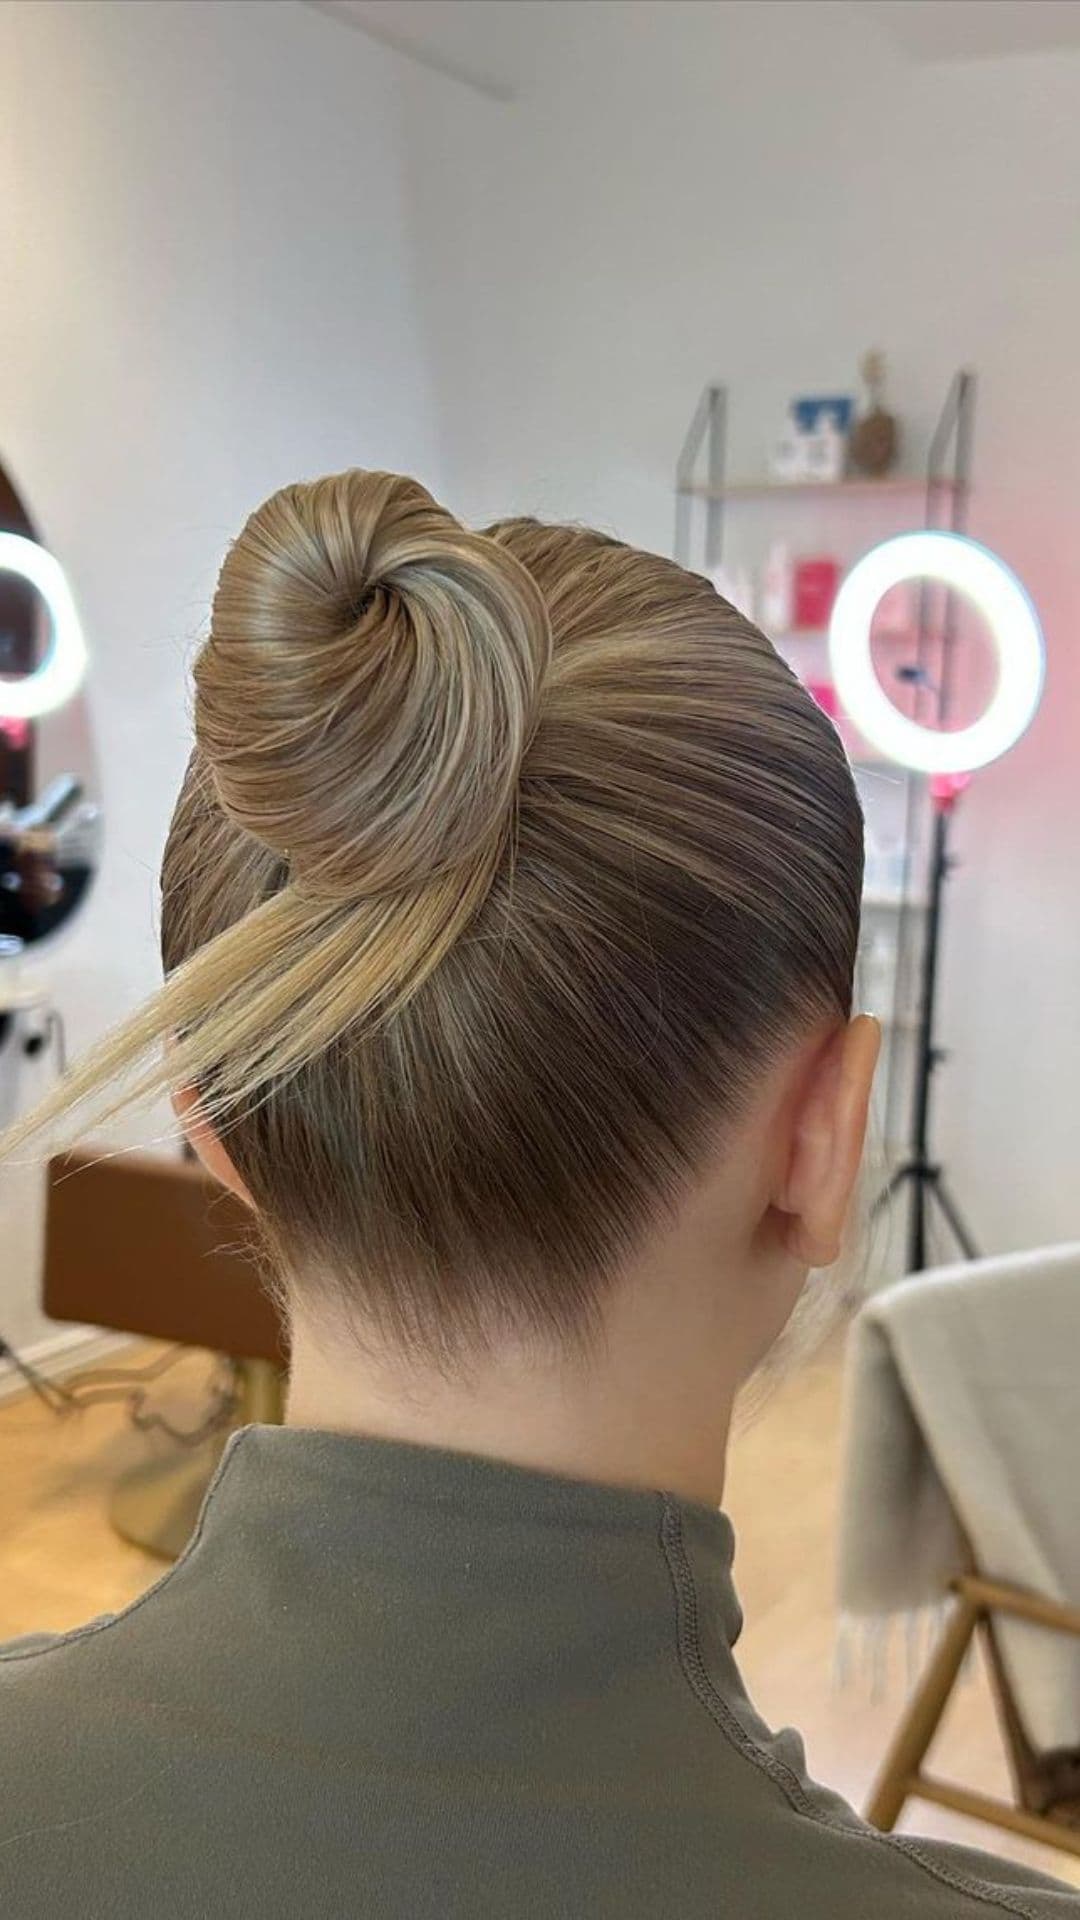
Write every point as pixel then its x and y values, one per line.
pixel 920 1171
pixel 948 481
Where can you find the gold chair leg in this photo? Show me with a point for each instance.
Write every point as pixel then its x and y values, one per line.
pixel 899 1777
pixel 262 1394
pixel 156 1504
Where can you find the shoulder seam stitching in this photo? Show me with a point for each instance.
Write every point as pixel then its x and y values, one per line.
pixel 702 1686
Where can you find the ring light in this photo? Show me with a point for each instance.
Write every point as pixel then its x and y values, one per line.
pixel 994 590
pixel 60 673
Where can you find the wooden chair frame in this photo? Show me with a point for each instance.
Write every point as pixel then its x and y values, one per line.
pixel 1047 1786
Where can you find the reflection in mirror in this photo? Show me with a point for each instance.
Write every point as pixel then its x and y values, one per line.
pixel 50 815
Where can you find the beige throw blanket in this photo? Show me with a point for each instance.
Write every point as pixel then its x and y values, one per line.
pixel 963 1423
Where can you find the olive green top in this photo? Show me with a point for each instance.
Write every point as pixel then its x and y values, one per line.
pixel 386 1681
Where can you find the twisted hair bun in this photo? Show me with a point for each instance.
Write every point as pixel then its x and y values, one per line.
pixel 370 685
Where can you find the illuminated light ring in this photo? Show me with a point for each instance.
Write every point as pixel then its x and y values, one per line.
pixel 61 672
pixel 1020 653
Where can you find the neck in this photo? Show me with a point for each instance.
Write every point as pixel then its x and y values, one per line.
pixel 579 1417
pixel 648 1404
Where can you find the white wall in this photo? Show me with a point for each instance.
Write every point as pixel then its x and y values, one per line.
pixel 209 288
pixel 758 193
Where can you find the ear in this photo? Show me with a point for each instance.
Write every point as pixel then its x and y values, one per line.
pixel 827 1136
pixel 206 1144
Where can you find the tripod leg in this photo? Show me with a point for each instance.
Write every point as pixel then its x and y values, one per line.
pixel 916 1241
pixel 954 1219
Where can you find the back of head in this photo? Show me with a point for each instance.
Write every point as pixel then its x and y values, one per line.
pixel 504 864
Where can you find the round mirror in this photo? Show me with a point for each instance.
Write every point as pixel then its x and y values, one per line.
pixel 50 813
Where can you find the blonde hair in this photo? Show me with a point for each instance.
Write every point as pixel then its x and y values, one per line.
pixel 504 863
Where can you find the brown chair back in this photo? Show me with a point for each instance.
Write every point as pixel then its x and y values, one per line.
pixel 148 1244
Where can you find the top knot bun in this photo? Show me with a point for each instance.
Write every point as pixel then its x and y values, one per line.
pixel 370 684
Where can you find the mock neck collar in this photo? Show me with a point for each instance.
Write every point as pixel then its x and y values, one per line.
pixel 284 1464
pixel 334 1498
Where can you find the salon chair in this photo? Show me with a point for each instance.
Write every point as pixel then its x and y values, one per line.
pixel 147 1244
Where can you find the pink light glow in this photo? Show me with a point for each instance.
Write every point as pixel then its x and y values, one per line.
pixel 15 734
pixel 824 693
pixel 946 788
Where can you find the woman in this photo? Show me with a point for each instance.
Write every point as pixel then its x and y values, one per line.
pixel 509 920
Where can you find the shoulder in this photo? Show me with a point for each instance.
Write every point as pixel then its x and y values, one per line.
pixel 861 1870
pixel 812 1852
pixel 25 1646
pixel 48 1683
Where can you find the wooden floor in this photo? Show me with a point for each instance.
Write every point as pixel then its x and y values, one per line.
pixel 61 1563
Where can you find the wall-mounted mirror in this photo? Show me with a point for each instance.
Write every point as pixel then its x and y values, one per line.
pixel 50 812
